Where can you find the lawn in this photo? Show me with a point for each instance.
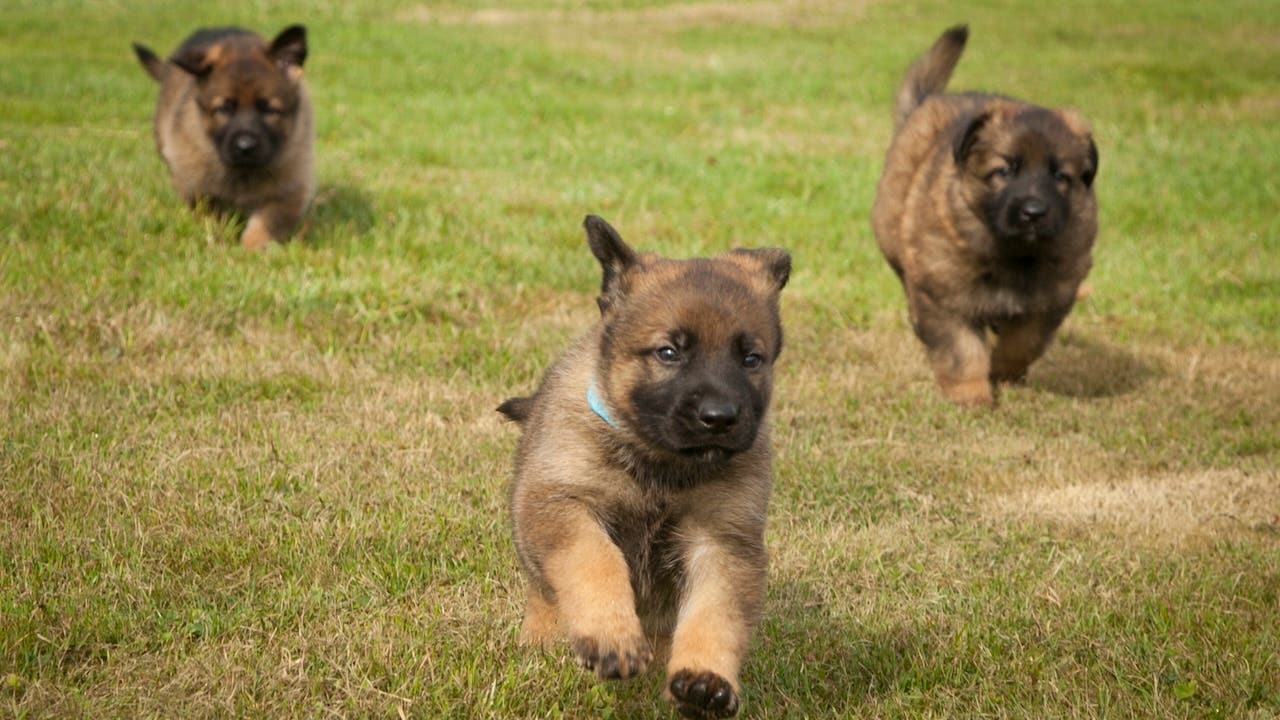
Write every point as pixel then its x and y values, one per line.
pixel 274 485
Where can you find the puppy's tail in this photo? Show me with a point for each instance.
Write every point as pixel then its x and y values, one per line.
pixel 517 409
pixel 930 72
pixel 152 64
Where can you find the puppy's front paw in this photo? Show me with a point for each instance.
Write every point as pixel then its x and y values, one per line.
pixel 973 392
pixel 613 660
pixel 1016 378
pixel 702 694
pixel 255 237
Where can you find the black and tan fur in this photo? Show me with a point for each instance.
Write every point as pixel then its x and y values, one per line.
pixel 986 211
pixel 234 125
pixel 649 531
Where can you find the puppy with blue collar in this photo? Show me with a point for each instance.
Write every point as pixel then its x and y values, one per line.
pixel 643 471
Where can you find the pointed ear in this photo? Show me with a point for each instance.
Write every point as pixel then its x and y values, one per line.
pixel 289 49
pixel 614 255
pixel 967 136
pixel 152 64
pixel 775 262
pixel 197 61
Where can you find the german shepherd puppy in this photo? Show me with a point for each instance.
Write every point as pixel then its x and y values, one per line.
pixel 986 211
pixel 234 125
pixel 642 476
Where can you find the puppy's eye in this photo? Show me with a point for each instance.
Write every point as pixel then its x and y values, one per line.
pixel 1009 169
pixel 751 361
pixel 1062 177
pixel 667 354
pixel 266 108
pixel 225 107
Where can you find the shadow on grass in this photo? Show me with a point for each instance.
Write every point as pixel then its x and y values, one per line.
pixel 806 657
pixel 1082 367
pixel 338 212
pixel 802 662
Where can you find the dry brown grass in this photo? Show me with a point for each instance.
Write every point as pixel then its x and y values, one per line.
pixel 785 13
pixel 1173 508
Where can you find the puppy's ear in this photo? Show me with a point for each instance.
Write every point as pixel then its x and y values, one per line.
pixel 289 49
pixel 152 64
pixel 1087 175
pixel 198 60
pixel 1076 123
pixel 966 136
pixel 775 262
pixel 615 259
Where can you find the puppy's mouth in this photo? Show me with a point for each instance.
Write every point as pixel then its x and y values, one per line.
pixel 715 449
pixel 1027 239
pixel 245 162
pixel 707 453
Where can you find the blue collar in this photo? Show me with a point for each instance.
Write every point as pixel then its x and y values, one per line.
pixel 596 403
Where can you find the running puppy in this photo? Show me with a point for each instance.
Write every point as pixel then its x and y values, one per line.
pixel 643 472
pixel 233 124
pixel 986 212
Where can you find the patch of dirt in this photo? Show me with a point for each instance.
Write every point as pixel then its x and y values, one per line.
pixel 1171 508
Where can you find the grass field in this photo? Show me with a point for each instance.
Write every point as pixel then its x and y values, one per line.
pixel 273 486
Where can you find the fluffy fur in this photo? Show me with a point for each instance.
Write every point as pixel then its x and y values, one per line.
pixel 640 523
pixel 986 211
pixel 233 123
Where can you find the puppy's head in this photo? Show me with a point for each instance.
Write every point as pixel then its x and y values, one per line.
pixel 687 353
pixel 248 90
pixel 1028 173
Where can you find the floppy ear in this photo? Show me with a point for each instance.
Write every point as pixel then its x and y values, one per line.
pixel 776 262
pixel 289 49
pixel 614 255
pixel 1076 123
pixel 967 136
pixel 197 61
pixel 1092 169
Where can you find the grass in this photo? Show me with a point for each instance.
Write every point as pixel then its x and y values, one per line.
pixel 274 485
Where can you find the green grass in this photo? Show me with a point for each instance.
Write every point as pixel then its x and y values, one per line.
pixel 274 485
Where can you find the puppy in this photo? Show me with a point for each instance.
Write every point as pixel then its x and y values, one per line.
pixel 986 212
pixel 643 472
pixel 234 125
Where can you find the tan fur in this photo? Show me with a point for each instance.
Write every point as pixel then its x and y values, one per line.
pixel 275 197
pixel 712 631
pixel 929 221
pixel 625 546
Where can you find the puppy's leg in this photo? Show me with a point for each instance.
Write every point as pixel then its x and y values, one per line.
pixel 274 221
pixel 722 601
pixel 592 586
pixel 957 351
pixel 539 626
pixel 256 235
pixel 1019 343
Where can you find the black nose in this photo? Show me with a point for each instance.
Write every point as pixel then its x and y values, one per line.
pixel 717 415
pixel 1033 209
pixel 245 144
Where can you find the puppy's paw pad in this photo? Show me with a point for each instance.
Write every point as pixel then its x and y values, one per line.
pixel 613 660
pixel 702 694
